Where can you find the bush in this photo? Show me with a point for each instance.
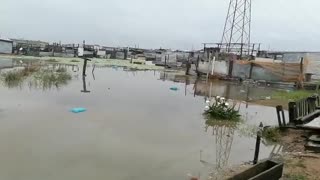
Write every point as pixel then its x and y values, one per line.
pixel 221 110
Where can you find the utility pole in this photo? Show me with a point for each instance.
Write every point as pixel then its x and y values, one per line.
pixel 237 28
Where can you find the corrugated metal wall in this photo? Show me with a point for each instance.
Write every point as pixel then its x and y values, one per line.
pixel 5 47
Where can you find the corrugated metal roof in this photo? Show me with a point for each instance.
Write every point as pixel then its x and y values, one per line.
pixel 6 40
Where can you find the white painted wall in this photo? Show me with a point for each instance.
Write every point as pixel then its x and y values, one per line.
pixel 80 51
pixel 220 67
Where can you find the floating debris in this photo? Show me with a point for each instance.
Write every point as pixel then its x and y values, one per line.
pixel 174 89
pixel 78 110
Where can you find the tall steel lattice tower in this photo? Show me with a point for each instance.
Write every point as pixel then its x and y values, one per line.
pixel 237 28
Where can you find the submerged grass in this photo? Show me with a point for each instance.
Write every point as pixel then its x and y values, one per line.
pixel 292 95
pixel 37 77
pixel 48 78
pixel 16 77
pixel 12 78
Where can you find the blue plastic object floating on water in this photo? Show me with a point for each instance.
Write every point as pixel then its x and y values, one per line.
pixel 174 89
pixel 78 110
pixel 115 67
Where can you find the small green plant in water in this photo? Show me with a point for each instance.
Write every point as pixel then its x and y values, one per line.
pixel 221 110
pixel 271 134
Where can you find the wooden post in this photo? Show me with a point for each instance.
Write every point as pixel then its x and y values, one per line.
pixel 250 72
pixel 165 60
pixel 281 117
pixel 230 66
pixel 258 141
pixel 188 67
pixel 301 65
pixel 301 78
pixel 278 115
pixel 212 65
pixel 84 85
pixel 198 60
pixel 125 51
pixel 292 112
pixel 252 51
pixel 85 66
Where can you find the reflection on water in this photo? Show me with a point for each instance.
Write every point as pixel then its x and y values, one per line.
pixel 230 90
pixel 84 90
pixel 224 134
pixel 135 128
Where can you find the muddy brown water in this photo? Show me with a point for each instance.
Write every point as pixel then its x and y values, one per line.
pixel 135 128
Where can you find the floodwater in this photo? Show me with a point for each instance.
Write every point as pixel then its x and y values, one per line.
pixel 135 128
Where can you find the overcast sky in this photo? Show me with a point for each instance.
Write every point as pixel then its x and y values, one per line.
pixel 177 24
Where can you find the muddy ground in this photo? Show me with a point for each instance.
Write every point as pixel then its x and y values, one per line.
pixel 299 164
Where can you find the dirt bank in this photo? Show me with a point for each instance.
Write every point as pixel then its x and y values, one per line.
pixel 299 163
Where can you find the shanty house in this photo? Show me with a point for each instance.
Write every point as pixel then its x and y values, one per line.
pixel 5 46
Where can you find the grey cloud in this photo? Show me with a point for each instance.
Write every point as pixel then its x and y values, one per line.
pixel 183 24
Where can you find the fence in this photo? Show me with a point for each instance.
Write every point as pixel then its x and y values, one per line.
pixel 301 111
pixel 281 71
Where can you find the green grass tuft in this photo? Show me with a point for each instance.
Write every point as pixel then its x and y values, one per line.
pixel 292 95
pixel 271 134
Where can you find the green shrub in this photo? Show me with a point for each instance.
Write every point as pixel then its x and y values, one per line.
pixel 221 110
pixel 271 134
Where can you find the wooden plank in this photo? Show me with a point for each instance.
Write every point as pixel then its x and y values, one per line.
pixel 267 170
